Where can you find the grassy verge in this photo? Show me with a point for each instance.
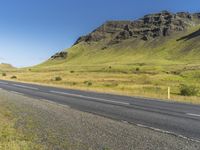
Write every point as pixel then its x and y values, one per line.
pixel 10 137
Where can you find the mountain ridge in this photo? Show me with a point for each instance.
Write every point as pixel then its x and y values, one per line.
pixel 150 26
pixel 156 36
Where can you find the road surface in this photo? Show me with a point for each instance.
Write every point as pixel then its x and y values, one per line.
pixel 182 120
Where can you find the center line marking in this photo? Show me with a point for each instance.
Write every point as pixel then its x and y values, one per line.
pixel 23 86
pixel 81 96
pixel 196 115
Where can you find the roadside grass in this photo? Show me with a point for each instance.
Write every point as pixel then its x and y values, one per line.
pixel 143 83
pixel 10 137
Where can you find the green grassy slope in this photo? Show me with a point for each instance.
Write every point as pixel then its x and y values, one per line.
pixel 163 51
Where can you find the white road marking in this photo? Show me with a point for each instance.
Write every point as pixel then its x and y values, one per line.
pixel 93 98
pixel 3 83
pixel 195 115
pixel 23 86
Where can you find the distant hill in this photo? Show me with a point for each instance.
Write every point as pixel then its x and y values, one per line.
pixel 4 66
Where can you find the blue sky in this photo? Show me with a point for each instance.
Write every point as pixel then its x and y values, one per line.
pixel 33 30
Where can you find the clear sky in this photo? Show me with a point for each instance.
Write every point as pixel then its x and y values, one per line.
pixel 33 30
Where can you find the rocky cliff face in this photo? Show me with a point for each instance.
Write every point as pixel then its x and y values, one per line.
pixel 59 55
pixel 149 27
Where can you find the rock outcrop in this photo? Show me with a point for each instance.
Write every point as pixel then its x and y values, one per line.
pixel 60 55
pixel 149 27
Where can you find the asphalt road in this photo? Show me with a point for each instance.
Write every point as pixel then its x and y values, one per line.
pixel 182 120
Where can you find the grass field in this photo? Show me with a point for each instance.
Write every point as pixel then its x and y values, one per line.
pixel 133 67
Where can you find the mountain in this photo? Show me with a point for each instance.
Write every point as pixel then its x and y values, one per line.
pixel 164 37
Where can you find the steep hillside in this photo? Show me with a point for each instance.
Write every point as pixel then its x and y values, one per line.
pixel 164 37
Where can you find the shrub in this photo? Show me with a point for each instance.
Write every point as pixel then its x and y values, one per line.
pixel 88 83
pixel 103 48
pixel 4 74
pixel 187 90
pixel 73 83
pixel 137 69
pixel 13 77
pixel 71 71
pixel 57 78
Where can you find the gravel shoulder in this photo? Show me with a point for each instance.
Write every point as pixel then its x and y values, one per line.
pixel 60 127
